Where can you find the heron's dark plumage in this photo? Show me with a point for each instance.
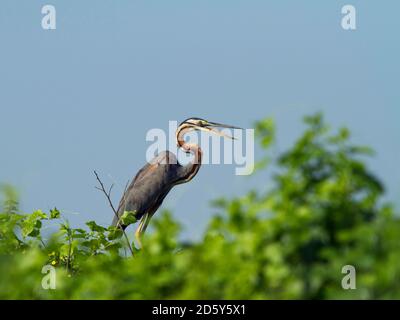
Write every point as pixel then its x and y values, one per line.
pixel 151 185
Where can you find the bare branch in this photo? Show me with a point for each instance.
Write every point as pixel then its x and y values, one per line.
pixel 123 196
pixel 109 191
pixel 108 196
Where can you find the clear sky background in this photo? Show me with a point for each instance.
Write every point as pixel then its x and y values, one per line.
pixel 83 96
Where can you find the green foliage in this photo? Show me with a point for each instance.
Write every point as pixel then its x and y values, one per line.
pixel 323 210
pixel 128 217
pixel 10 201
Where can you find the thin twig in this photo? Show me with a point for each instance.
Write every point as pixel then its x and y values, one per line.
pixel 42 242
pixel 108 196
pixel 69 250
pixel 122 203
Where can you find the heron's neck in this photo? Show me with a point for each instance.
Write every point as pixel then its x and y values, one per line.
pixel 189 148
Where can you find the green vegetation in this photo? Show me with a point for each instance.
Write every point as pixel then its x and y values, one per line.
pixel 323 210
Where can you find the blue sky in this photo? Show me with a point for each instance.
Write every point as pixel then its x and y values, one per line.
pixel 83 96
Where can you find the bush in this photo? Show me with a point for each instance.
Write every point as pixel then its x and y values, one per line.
pixel 323 210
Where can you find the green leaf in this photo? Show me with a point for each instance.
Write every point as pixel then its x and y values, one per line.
pixel 79 234
pixel 39 214
pixel 54 213
pixel 114 233
pixel 27 228
pixel 32 224
pixel 113 246
pixel 265 131
pixel 128 218
pixel 95 227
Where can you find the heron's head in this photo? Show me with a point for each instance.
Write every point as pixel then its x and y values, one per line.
pixel 204 125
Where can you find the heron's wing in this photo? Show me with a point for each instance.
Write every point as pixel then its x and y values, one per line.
pixel 150 186
pixel 145 170
pixel 142 172
pixel 164 158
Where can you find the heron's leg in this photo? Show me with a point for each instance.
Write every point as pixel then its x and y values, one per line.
pixel 142 228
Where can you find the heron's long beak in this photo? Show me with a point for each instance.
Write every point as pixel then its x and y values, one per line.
pixel 221 125
pixel 210 127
